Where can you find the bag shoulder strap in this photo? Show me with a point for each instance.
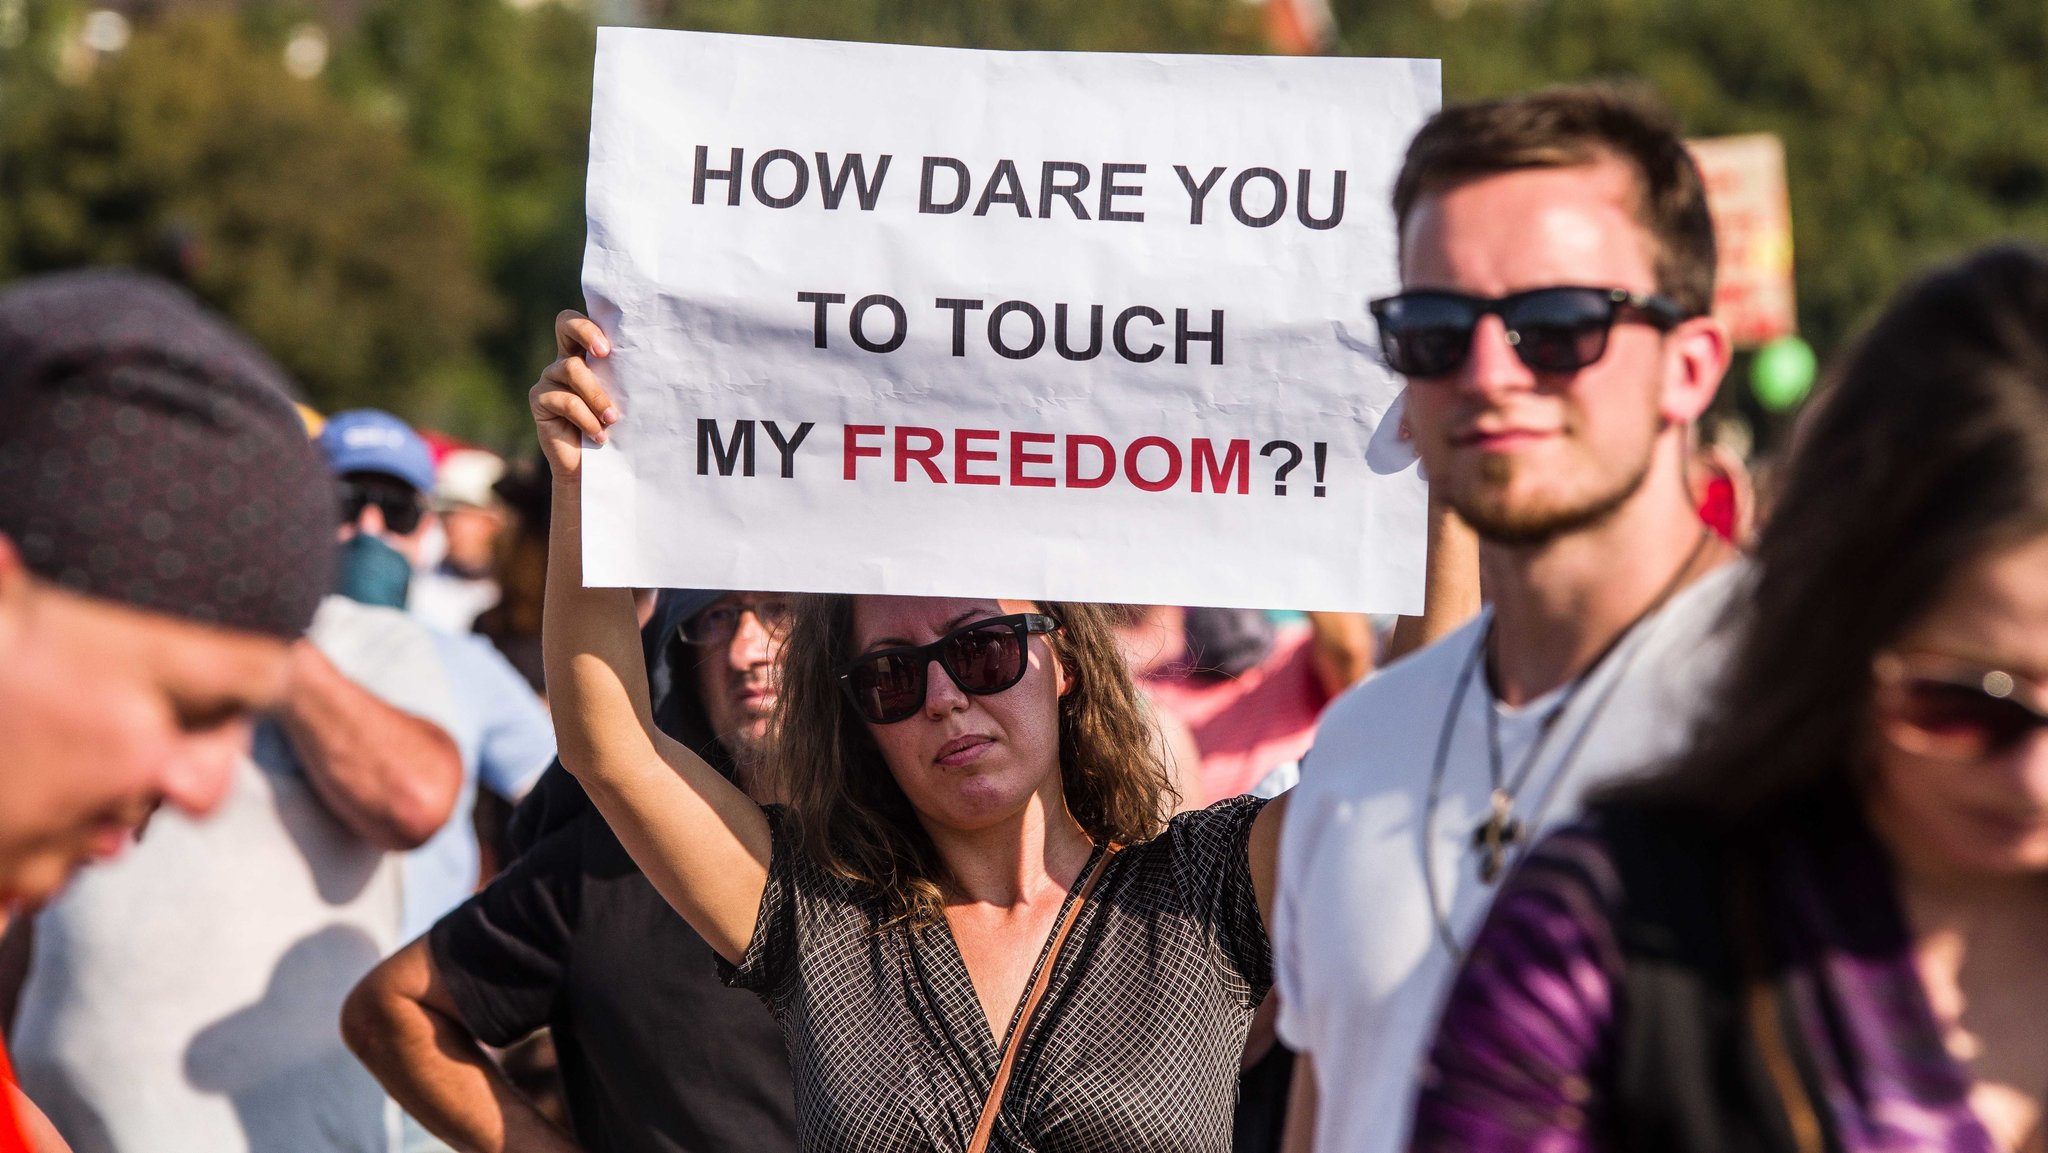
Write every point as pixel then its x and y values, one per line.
pixel 984 1131
pixel 1762 1006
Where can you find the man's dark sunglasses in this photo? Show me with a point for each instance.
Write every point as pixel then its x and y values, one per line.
pixel 983 657
pixel 399 504
pixel 1563 329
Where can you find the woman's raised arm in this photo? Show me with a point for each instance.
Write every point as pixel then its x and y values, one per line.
pixel 699 839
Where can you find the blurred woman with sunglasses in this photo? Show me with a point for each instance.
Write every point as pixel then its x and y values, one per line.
pixel 1826 927
pixel 971 920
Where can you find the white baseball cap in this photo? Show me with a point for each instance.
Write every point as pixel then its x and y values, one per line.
pixel 465 478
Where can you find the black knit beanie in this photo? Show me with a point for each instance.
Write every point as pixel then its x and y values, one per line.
pixel 150 455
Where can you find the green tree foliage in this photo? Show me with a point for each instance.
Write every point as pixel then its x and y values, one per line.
pixel 192 150
pixel 495 101
pixel 401 230
pixel 1050 25
pixel 1914 129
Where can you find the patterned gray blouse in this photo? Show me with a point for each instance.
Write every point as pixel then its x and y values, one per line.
pixel 1134 1049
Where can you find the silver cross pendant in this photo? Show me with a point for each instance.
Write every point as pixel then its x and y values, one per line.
pixel 1496 836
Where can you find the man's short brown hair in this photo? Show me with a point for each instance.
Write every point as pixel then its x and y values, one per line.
pixel 1570 126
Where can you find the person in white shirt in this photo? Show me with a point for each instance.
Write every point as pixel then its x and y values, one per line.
pixel 1557 264
pixel 186 995
pixel 453 581
pixel 382 466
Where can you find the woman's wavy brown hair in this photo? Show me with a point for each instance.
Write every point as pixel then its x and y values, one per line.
pixel 852 818
pixel 1928 453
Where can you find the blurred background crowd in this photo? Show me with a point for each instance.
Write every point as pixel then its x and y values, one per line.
pixel 387 197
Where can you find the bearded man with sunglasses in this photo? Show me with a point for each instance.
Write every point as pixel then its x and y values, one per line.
pixel 1557 264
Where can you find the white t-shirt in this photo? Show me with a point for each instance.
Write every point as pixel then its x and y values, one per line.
pixel 1361 964
pixel 450 602
pixel 186 996
pixel 506 741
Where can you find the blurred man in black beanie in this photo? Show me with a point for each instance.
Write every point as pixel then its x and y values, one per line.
pixel 176 545
pixel 164 535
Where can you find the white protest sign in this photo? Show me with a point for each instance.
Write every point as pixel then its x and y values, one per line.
pixel 1037 325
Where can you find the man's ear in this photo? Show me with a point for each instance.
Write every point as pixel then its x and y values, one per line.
pixel 13 569
pixel 1697 354
pixel 14 585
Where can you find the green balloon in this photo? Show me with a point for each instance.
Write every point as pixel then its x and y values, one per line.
pixel 1782 374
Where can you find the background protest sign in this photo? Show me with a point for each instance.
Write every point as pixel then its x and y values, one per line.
pixel 1745 182
pixel 1041 325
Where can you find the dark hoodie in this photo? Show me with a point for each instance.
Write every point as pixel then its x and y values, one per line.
pixel 557 798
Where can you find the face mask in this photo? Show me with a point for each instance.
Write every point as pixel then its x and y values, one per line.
pixel 373 572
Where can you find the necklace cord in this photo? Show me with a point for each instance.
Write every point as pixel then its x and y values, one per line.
pixel 1436 781
pixel 1439 914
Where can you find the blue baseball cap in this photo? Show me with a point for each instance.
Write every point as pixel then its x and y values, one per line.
pixel 371 440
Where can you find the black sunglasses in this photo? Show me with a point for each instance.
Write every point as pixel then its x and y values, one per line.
pixel 400 506
pixel 1949 711
pixel 983 657
pixel 1563 329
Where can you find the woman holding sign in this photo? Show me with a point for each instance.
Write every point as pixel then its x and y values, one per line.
pixel 969 920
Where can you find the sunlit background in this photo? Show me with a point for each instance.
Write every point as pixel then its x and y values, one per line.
pixel 388 193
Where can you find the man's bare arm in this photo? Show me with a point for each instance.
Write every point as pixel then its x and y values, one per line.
pixel 1340 649
pixel 402 1025
pixel 1299 1135
pixel 1451 594
pixel 391 777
